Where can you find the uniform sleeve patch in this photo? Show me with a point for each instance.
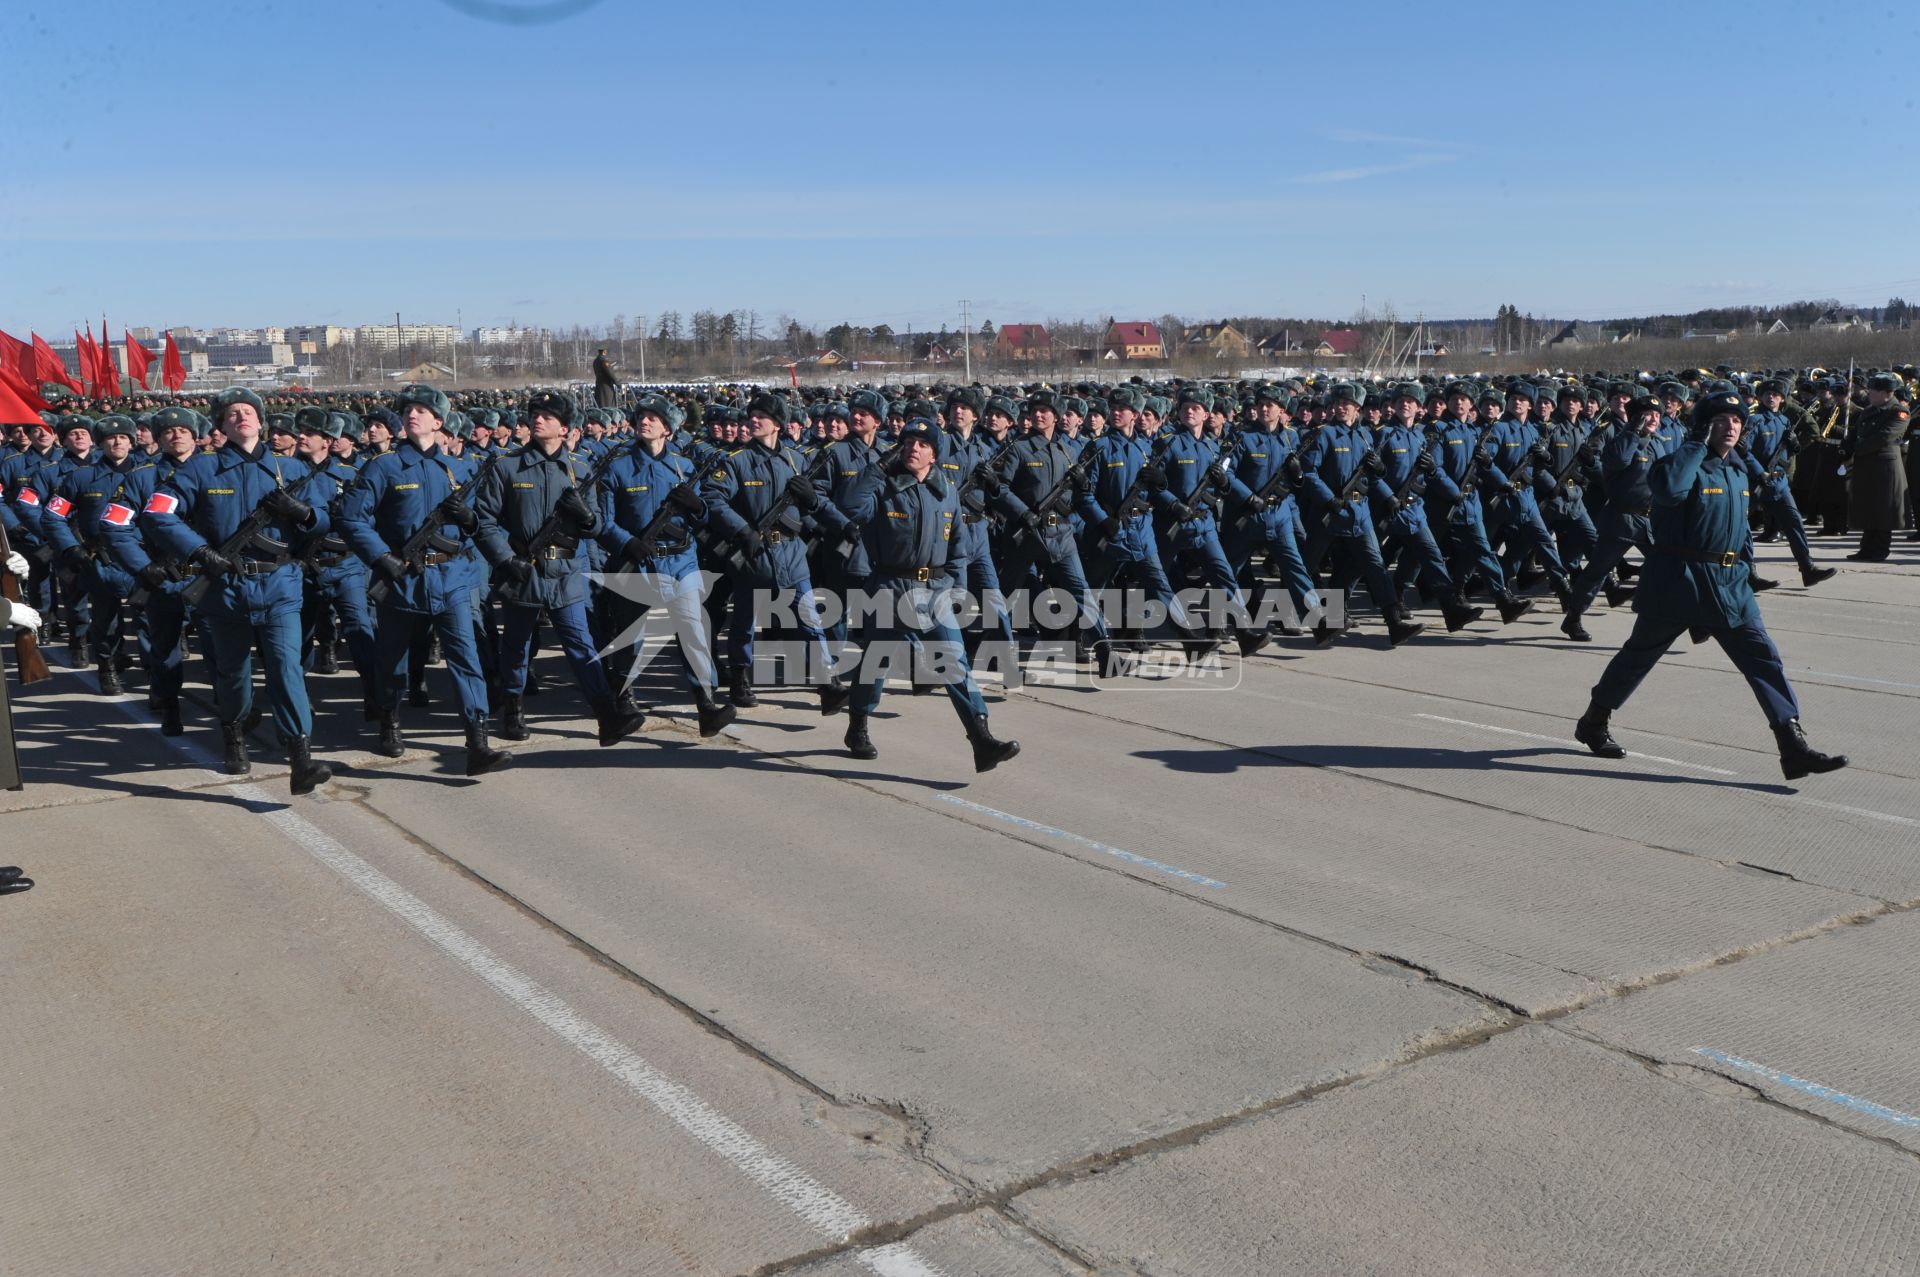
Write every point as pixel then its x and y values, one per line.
pixel 28 497
pixel 59 505
pixel 162 503
pixel 118 515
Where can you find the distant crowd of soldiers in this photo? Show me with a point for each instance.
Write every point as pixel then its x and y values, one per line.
pixel 415 527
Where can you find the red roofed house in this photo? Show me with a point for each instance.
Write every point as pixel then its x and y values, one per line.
pixel 1138 340
pixel 1023 343
pixel 1339 344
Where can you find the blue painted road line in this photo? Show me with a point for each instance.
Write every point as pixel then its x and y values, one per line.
pixel 1814 1089
pixel 1132 858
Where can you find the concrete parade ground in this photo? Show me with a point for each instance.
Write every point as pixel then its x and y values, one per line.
pixel 1362 966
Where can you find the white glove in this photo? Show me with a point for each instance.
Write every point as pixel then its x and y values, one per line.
pixel 20 616
pixel 17 564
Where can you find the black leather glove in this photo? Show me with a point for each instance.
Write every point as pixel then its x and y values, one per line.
pixel 1110 527
pixel 1081 480
pixel 211 561
pixel 74 557
pixel 1482 456
pixel 389 567
pixel 152 576
pixel 1390 503
pixel 282 504
pixel 682 497
pixel 457 512
pixel 1180 511
pixel 748 540
pixel 1426 464
pixel 635 551
pixel 1217 472
pixel 516 570
pixel 574 509
pixel 1257 503
pixel 1373 463
pixel 1032 519
pixel 1538 452
pixel 801 491
pixel 986 480
pixel 854 530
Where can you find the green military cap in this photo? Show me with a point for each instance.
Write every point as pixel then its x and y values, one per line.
pixel 178 418
pixel 1408 390
pixel 1345 390
pixel 348 423
pixel 239 395
pixel 432 399
pixel 1125 396
pixel 113 424
pixel 1883 381
pixel 766 405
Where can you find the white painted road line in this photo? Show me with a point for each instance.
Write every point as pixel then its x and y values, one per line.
pixel 1858 678
pixel 1132 858
pixel 1561 740
pixel 819 1206
pixel 1889 817
pixel 1814 1089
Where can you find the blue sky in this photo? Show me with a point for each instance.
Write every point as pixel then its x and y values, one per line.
pixel 273 162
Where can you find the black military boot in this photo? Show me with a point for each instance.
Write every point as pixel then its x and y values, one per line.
pixel 615 723
pixel 626 703
pixel 858 743
pixel 1400 629
pixel 324 659
pixel 1592 732
pixel 1571 627
pixel 110 680
pixel 307 774
pixel 417 695
pixel 391 745
pixel 513 718
pixel 1625 570
pixel 1811 576
pixel 988 753
pixel 1512 607
pixel 1459 613
pixel 1252 641
pixel 369 700
pixel 1617 595
pixel 1797 758
pixel 235 762
pixel 1324 634
pixel 480 758
pixel 740 689
pixel 1760 583
pixel 1107 662
pixel 835 694
pixel 715 713
pixel 1563 593
pixel 170 724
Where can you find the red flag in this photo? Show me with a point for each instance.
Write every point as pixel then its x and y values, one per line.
pixel 83 350
pixel 172 374
pixel 16 356
pixel 14 408
pixel 26 393
pixel 47 367
pixel 139 359
pixel 103 363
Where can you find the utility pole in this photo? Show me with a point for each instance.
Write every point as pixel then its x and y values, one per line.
pixel 459 324
pixel 966 336
pixel 643 348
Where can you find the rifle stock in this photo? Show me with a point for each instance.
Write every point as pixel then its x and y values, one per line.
pixel 33 666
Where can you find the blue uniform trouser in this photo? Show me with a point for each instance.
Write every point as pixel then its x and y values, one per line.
pixel 107 588
pixel 1196 547
pixel 516 649
pixel 1275 531
pixel 346 594
pixel 1418 552
pixel 162 653
pixel 741 626
pixel 1059 566
pixel 279 638
pixel 979 577
pixel 1356 553
pixel 941 652
pixel 1781 511
pixel 1517 522
pixel 1574 532
pixel 1620 531
pixel 669 609
pixel 1134 557
pixel 1463 537
pixel 1748 646
pixel 393 643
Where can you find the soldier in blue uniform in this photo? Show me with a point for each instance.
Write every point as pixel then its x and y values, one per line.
pixel 544 487
pixel 193 514
pixel 1514 455
pixel 909 517
pixel 394 495
pixel 85 486
pixel 1453 497
pixel 1259 455
pixel 645 477
pixel 164 616
pixel 1398 500
pixel 1120 539
pixel 1696 581
pixel 965 448
pixel 1197 478
pixel 1769 445
pixel 336 578
pixel 1330 466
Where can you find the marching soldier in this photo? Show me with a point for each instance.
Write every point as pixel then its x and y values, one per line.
pixel 1769 445
pixel 71 521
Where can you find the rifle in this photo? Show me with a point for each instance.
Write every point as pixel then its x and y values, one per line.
pixel 970 486
pixel 33 666
pixel 1322 539
pixel 648 538
pixel 768 522
pixel 250 527
pixel 1138 499
pixel 1277 489
pixel 414 552
pixel 549 533
pixel 1077 471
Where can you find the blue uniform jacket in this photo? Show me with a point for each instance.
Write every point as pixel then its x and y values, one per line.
pixel 1330 461
pixel 513 503
pixel 1699 505
pixel 741 489
pixel 205 500
pixel 392 496
pixel 631 493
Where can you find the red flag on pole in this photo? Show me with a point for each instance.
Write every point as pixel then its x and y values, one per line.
pixel 16 356
pixel 83 348
pixel 172 374
pixel 139 359
pixel 47 366
pixel 15 410
pixel 103 361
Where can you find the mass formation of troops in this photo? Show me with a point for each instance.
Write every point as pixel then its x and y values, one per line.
pixel 411 525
